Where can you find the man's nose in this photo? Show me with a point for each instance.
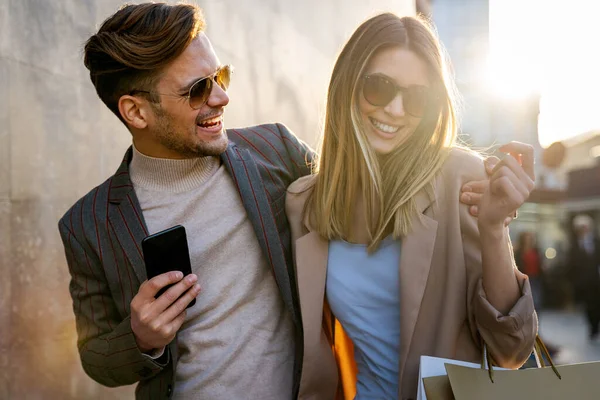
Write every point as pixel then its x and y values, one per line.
pixel 218 97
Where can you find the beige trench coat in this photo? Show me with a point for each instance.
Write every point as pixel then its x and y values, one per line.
pixel 443 307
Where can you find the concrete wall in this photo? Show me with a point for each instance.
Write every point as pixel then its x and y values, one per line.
pixel 57 141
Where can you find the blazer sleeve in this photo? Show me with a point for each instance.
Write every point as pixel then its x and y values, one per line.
pixel 301 154
pixel 509 338
pixel 106 344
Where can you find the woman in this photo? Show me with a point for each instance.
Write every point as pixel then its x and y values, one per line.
pixel 389 265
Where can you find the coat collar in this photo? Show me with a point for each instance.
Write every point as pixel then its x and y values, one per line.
pixel 125 217
pixel 415 262
pixel 120 184
pixel 243 169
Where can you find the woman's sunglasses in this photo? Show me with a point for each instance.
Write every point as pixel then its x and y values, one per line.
pixel 380 91
pixel 202 88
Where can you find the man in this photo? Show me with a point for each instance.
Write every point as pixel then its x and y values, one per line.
pixel 155 69
pixel 584 264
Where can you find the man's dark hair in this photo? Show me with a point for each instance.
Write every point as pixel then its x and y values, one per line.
pixel 133 46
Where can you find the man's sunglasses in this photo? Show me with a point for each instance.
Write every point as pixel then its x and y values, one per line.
pixel 380 91
pixel 202 88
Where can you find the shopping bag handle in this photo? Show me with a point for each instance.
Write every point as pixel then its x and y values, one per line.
pixel 539 350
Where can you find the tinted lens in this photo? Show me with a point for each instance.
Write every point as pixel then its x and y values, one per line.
pixel 199 92
pixel 415 100
pixel 378 91
pixel 223 77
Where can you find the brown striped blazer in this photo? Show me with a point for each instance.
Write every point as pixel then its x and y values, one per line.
pixel 102 234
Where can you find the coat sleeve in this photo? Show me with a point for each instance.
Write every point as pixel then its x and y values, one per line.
pixel 509 338
pixel 106 344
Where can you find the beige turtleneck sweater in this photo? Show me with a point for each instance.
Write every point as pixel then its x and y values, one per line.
pixel 237 340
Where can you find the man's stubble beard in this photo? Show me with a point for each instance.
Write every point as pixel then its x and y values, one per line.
pixel 167 135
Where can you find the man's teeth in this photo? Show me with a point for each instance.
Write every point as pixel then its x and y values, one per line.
pixel 384 127
pixel 211 121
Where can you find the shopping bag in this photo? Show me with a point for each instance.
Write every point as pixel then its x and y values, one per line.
pixel 473 382
pixel 434 371
pixel 575 381
pixel 433 379
pixel 438 388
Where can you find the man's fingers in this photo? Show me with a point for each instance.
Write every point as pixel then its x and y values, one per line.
pixel 167 331
pixel 150 288
pixel 180 305
pixel 178 321
pixel 526 153
pixel 173 293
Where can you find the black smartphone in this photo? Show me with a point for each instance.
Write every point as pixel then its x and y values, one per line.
pixel 167 251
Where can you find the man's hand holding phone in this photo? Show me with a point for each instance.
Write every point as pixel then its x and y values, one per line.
pixel 155 321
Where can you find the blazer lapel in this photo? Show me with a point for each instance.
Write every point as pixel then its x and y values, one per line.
pixel 415 261
pixel 243 169
pixel 311 258
pixel 125 217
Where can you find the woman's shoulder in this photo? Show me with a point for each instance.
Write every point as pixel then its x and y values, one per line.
pixel 464 158
pixel 302 185
pixel 464 164
pixel 297 194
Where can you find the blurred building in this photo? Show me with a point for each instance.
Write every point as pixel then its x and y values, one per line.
pixel 582 152
pixel 463 27
pixel 489 119
pixel 581 171
pixel 423 7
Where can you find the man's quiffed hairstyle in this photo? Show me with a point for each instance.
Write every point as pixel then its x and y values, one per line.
pixel 133 46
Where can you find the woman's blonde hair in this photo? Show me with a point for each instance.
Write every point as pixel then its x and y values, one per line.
pixel 347 163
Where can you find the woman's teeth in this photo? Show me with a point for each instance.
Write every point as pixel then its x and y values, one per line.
pixel 383 127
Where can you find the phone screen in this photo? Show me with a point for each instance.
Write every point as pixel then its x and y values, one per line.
pixel 167 251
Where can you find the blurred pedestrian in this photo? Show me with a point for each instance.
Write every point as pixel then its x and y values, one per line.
pixel 529 261
pixel 584 262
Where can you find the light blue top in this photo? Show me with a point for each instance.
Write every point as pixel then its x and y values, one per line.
pixel 363 294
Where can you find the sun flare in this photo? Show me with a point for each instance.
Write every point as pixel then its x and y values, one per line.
pixel 550 48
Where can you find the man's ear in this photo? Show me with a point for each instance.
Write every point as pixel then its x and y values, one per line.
pixel 134 111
